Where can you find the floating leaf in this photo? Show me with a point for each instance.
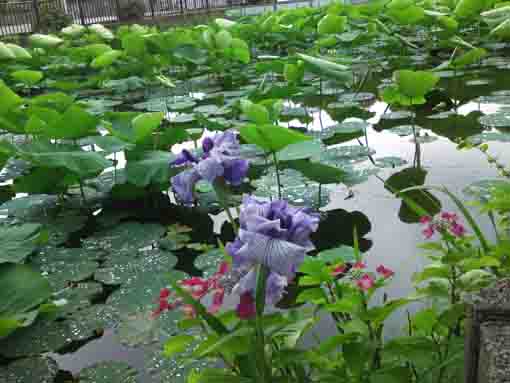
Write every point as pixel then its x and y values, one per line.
pixel 30 370
pixel 108 372
pixel 18 242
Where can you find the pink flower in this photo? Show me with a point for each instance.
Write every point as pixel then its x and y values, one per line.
pixel 425 219
pixel 217 301
pixel 164 293
pixel 428 232
pixel 359 265
pixel 457 229
pixel 196 286
pixel 338 270
pixel 246 307
pixel 449 216
pixel 366 282
pixel 385 272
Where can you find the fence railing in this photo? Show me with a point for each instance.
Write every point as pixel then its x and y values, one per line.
pixel 25 16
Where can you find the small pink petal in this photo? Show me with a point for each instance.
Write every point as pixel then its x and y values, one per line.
pixel 359 265
pixel 425 219
pixel 457 229
pixel 428 232
pixel 385 272
pixel 217 301
pixel 366 282
pixel 339 270
pixel 164 293
pixel 246 307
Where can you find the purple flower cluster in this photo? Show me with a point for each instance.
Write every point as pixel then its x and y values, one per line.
pixel 220 158
pixel 445 223
pixel 276 235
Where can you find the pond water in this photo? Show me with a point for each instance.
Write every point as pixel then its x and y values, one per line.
pixel 391 233
pixel 109 257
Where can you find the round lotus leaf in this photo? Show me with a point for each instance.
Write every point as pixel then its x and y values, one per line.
pixel 31 206
pixel 63 266
pixel 181 118
pixel 490 136
pixel 30 370
pixel 390 162
pixel 181 105
pixel 481 190
pixel 91 321
pixel 295 188
pixel 128 237
pixel 356 175
pixel 356 97
pixel 100 105
pixel 207 109
pixel 425 139
pixel 398 115
pixel 108 372
pixel 442 115
pixel 496 120
pixel 294 112
pixel 344 155
pixel 327 91
pixel 157 104
pixel 141 292
pixel 208 262
pixel 405 130
pixel 61 227
pixel 477 82
pixel 77 297
pixel 14 168
pixel 42 336
pixel 120 268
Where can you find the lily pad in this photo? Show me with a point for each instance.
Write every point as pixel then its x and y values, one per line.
pixel 181 105
pixel 344 155
pixel 77 297
pixel 356 97
pixel 424 139
pixel 18 242
pixel 404 130
pixel 481 190
pixel 208 262
pixel 91 322
pixel 397 115
pixel 295 188
pixel 42 336
pixel 496 120
pixel 122 268
pixel 128 238
pixel 108 372
pixel 30 370
pixel 390 162
pixel 63 266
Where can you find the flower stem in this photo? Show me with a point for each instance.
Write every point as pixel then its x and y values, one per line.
pixel 260 300
pixel 275 160
pixel 219 188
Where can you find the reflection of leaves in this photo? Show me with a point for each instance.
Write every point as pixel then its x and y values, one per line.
pixel 407 178
pixel 454 125
pixel 337 229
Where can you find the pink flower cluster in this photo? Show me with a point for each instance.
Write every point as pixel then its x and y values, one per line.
pixel 366 281
pixel 198 288
pixel 445 223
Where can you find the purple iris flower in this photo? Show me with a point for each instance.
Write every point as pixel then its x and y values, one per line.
pixel 276 235
pixel 220 158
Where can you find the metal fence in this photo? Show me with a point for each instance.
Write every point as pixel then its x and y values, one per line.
pixel 24 16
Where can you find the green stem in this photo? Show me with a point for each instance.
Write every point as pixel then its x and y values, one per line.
pixel 275 160
pixel 260 343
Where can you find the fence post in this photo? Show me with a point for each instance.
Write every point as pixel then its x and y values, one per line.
pixel 117 4
pixel 151 2
pixel 35 5
pixel 80 8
